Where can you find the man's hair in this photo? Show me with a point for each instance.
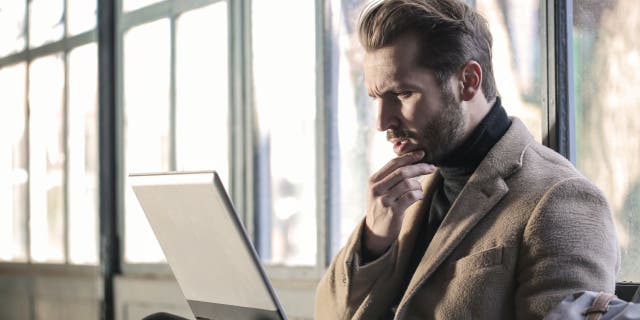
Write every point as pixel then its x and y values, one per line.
pixel 450 34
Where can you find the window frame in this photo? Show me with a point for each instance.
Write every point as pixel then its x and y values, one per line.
pixel 27 55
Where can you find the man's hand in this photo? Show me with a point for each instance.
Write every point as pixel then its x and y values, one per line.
pixel 391 191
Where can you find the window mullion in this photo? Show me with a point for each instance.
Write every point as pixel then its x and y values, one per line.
pixel 109 155
pixel 560 119
pixel 326 167
pixel 27 149
pixel 172 95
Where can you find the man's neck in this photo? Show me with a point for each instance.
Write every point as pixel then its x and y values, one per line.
pixel 485 135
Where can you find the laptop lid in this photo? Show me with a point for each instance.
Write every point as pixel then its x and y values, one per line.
pixel 206 246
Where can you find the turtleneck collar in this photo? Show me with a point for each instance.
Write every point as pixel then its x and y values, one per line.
pixel 466 157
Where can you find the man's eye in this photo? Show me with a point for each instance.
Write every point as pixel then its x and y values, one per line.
pixel 403 94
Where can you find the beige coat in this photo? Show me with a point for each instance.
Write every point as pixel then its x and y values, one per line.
pixel 526 230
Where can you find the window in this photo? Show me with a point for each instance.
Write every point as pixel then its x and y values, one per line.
pixel 13 165
pixel 284 71
pixel 607 69
pixel 175 102
pixel 49 155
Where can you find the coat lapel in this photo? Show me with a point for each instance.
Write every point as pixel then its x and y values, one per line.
pixel 482 192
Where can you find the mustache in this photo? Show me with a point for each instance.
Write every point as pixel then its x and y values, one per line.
pixel 399 133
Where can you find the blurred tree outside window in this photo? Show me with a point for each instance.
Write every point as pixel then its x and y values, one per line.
pixel 607 71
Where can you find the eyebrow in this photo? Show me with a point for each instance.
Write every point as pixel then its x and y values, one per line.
pixel 396 87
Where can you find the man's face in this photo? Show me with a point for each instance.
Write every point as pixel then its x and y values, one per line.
pixel 413 108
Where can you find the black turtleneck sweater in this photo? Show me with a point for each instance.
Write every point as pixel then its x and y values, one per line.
pixel 456 171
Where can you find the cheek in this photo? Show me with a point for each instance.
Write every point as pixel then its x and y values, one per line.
pixel 417 114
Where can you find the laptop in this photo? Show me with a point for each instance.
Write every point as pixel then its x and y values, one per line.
pixel 206 246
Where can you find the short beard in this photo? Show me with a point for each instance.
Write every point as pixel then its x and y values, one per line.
pixel 445 132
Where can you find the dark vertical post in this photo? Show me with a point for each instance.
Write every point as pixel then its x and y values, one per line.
pixel 562 130
pixel 108 157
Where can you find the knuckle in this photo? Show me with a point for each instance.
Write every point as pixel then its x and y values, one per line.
pixel 375 190
pixel 406 184
pixel 402 173
pixel 384 201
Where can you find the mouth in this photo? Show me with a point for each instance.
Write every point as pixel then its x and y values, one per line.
pixel 402 146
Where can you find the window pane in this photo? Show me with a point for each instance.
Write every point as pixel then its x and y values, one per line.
pixel 129 5
pixel 202 120
pixel 46 159
pixel 46 22
pixel 607 71
pixel 364 151
pixel 81 15
pixel 12 15
pixel 284 71
pixel 146 127
pixel 82 156
pixel 13 165
pixel 517 31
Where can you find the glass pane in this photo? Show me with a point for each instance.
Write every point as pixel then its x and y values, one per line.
pixel 46 21
pixel 129 5
pixel 363 150
pixel 81 15
pixel 13 165
pixel 12 14
pixel 607 70
pixel 82 156
pixel 284 75
pixel 517 31
pixel 47 159
pixel 202 120
pixel 146 127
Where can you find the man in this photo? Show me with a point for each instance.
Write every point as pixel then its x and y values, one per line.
pixel 503 229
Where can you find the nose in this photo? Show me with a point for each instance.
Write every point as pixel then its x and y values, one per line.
pixel 387 117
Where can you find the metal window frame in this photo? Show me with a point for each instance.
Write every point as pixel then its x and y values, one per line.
pixel 559 116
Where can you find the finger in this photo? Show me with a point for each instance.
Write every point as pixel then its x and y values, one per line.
pixel 400 189
pixel 401 174
pixel 407 199
pixel 395 163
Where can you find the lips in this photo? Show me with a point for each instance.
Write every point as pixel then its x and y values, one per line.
pixel 402 146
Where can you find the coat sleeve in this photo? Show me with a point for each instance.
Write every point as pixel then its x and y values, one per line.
pixel 569 244
pixel 343 291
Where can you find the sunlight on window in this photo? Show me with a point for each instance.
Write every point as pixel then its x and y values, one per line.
pixel 46 21
pixel 517 37
pixel 606 74
pixel 12 26
pixel 82 139
pixel 46 159
pixel 146 127
pixel 129 5
pixel 285 99
pixel 202 104
pixel 13 174
pixel 81 15
pixel 363 150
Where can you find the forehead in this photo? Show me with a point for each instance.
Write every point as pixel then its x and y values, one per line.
pixel 394 65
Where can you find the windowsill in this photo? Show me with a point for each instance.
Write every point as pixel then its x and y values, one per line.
pixel 49 269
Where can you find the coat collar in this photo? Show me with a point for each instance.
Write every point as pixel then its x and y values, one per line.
pixel 483 191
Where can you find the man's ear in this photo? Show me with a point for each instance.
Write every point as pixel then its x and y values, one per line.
pixel 471 80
